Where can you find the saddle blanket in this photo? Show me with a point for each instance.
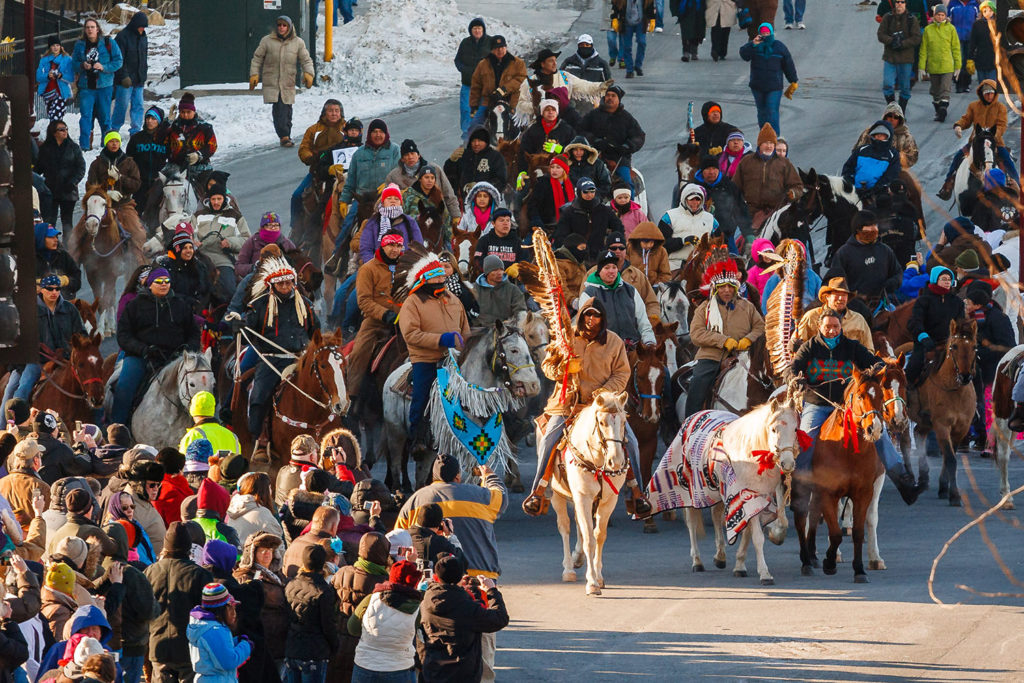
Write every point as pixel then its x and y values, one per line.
pixel 696 472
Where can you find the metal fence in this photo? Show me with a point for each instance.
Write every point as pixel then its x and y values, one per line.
pixel 51 18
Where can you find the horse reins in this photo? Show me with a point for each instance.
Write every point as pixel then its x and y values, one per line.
pixel 121 232
pixel 61 363
pixel 499 359
pixel 603 476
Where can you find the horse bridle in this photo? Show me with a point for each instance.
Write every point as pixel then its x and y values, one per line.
pixel 60 363
pixel 183 374
pixel 336 351
pixel 500 365
pixel 956 363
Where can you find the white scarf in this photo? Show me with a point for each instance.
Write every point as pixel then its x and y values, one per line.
pixel 714 315
pixel 387 214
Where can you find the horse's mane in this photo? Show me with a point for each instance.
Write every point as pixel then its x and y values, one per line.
pixel 474 340
pixel 93 190
pixel 841 189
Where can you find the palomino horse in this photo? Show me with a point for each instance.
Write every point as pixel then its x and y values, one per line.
pixel 644 408
pixel 162 415
pixel 492 357
pixel 1002 406
pixel 769 429
pixel 74 387
pixel 311 398
pixel 591 472
pixel 945 403
pixel 844 463
pixel 106 247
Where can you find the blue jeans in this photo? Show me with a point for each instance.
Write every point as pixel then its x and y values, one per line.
pixel 361 675
pixel 477 119
pixel 344 8
pixel 465 114
pixel 625 173
pixel 92 102
pixel 640 32
pixel 767 103
pixel 991 75
pixel 548 441
pixel 131 668
pixel 123 97
pixel 249 360
pixel 787 10
pixel 659 8
pixel 297 209
pixel 341 296
pixel 613 47
pixel 133 369
pixel 423 376
pixel 896 77
pixel 811 419
pixel 1002 152
pixel 346 226
pixel 299 671
pixel 22 381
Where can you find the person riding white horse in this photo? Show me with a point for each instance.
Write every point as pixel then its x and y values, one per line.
pixel 600 363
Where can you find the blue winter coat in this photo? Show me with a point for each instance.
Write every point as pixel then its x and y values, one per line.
pixel 109 56
pixel 876 163
pixel 368 169
pixel 215 653
pixel 766 71
pixel 87 615
pixel 913 281
pixel 963 15
pixel 67 74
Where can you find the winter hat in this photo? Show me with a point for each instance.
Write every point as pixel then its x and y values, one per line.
pixel 425 169
pixel 78 501
pixel 61 577
pixel 861 219
pixel 446 468
pixel 961 225
pixel 217 188
pixel 736 135
pixel 219 555
pixel 214 498
pixel 232 467
pixel 409 146
pixel 155 274
pixel 83 646
pixel 54 40
pixel 561 163
pixel 606 258
pixel 500 212
pixel 73 549
pixel 269 218
pixel 391 190
pixel 146 470
pixel 987 3
pixel 933 275
pixel 449 569
pixel 766 134
pixel 203 404
pixel 197 456
pixel 979 296
pixel 477 21
pixel 761 244
pixel 44 423
pixel 111 135
pixel 314 557
pixel 17 410
pixel 216 595
pixel 180 239
pixel 491 264
pixel 994 178
pixel 548 102
pixel 187 102
pixel 156 113
pixel 620 191
pixel 968 260
pixel 615 238
pixel 939 9
pixel 177 540
pixel 585 184
pixel 304 449
pixel 405 573
pixel 881 128
pixel 498 41
pixel 398 538
pixel 353 124
pixel 765 28
pixel 709 161
pixel 377 124
pixel 118 435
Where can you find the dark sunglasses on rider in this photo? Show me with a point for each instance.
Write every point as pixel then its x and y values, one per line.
pixel 61 129
pixel 52 289
pixel 162 281
pixel 616 249
pixel 591 314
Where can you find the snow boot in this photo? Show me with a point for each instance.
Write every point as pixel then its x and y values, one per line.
pixel 941 113
pixel 904 483
pixel 903 105
pixel 889 99
pixel 945 193
pixel 935 106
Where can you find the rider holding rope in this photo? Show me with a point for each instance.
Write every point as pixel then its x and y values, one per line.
pixel 600 363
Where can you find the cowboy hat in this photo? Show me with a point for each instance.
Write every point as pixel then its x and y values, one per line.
pixel 546 53
pixel 836 284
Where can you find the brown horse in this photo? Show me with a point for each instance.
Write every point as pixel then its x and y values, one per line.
pixel 74 387
pixel 88 312
pixel 844 463
pixel 644 409
pixel 309 276
pixel 687 164
pixel 893 325
pixel 945 403
pixel 311 400
pixel 1002 407
pixel 464 245
pixel 431 226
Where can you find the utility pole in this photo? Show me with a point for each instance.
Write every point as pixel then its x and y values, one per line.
pixel 30 47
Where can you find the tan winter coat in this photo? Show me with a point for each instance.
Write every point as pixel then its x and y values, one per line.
pixel 985 115
pixel 275 63
pixel 854 326
pixel 902 140
pixel 17 488
pixel 423 318
pixel 765 185
pixel 655 266
pixel 483 81
pixel 741 322
pixel 373 291
pixel 720 9
pixel 320 136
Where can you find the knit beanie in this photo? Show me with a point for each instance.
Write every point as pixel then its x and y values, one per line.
pixel 187 102
pixel 391 190
pixel 492 263
pixel 44 423
pixel 111 135
pixel 216 595
pixel 197 456
pixel 217 188
pixel 232 467
pixel 766 134
pixel 60 577
pixel 177 540
pixel 180 239
pixel 78 502
pixel 155 274
pixel 118 435
pixel 968 260
pixel 405 573
pixel 408 146
pixel 268 218
pixel 449 569
pixel 314 557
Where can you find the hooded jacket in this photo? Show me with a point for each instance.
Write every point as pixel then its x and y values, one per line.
pixel 979 46
pixel 875 164
pixel 980 113
pixel 139 607
pixel 405 180
pixel 87 615
pixel 932 314
pixel 177 585
pixel 274 613
pixel 313 629
pixel 212 226
pixel 653 262
pixel 681 228
pixel 497 302
pixel 487 166
pixel 768 64
pixel 615 134
pixel 470 221
pixel 869 269
pixel 940 49
pixel 590 166
pixel 64 70
pixel 148 149
pixel 62 167
pixel 108 54
pixel 320 137
pixel 215 653
pixel 909 29
pixel 164 323
pixel 247 518
pixel 452 623
pixel 275 62
pixel 902 139
pixel 765 183
pixel 471 51
pixel 355 581
pixel 592 68
pixel 591 220
pixel 134 51
pixel 212 502
pixel 727 204
pixel 626 310
pixel 712 136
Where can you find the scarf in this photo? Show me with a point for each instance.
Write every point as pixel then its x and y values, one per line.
pixel 562 193
pixel 454 285
pixel 767 44
pixel 979 314
pixel 548 126
pixel 936 289
pixel 482 216
pixel 266 574
pixel 728 162
pixel 713 315
pixel 830 342
pixel 624 209
pixel 387 214
pixel 370 567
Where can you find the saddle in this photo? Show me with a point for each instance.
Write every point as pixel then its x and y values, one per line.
pixel 403 387
pixel 682 379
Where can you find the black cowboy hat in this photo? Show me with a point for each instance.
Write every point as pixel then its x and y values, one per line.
pixel 544 54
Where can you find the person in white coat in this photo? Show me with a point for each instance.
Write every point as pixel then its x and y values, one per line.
pixel 385 622
pixel 684 225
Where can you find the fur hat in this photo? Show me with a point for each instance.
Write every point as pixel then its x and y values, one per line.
pixel 767 134
pixel 73 549
pixel 146 470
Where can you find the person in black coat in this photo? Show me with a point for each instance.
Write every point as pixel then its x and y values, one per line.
pixel 131 77
pixel 979 47
pixel 869 266
pixel 726 199
pixel 472 49
pixel 585 63
pixel 51 259
pixel 58 460
pixel 713 133
pixel 549 194
pixel 432 537
pixel 548 134
pixel 13 647
pixel 190 278
pixel 152 328
pixel 995 338
pixel 481 163
pixel 587 217
pixel 935 308
pixel 614 133
pixel 148 148
pixel 313 631
pixel 62 165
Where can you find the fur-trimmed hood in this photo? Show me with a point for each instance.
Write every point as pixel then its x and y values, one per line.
pixel 580 142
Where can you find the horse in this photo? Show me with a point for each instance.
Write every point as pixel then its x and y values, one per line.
pixel 431 226
pixel 464 243
pixel 162 415
pixel 745 380
pixel 88 312
pixel 74 387
pixel 834 198
pixel 107 249
pixel 981 158
pixel 173 197
pixel 500 120
pixel 844 463
pixel 945 403
pixel 1002 406
pixel 893 325
pixel 309 276
pixel 675 309
pixel 688 157
pixel 644 408
pixel 496 356
pixel 591 471
pixel 520 423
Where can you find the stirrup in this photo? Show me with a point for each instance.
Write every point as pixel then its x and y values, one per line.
pixel 536 504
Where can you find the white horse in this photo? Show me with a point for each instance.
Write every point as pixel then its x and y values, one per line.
pixel 770 428
pixel 982 154
pixel 179 202
pixel 1004 436
pixel 675 308
pixel 162 416
pixel 595 471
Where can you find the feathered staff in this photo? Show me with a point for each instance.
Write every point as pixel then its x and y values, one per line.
pixel 544 284
pixel 785 305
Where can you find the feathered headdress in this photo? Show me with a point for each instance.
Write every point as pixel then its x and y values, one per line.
pixel 271 270
pixel 785 305
pixel 719 269
pixel 415 266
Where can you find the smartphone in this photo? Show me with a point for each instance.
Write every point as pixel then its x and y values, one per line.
pixel 448 526
pixel 78 426
pixel 368 505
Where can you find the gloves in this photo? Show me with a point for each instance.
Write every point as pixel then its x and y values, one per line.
pixel 253 80
pixel 521 180
pixel 715 151
pixel 193 158
pixel 342 208
pixel 691 240
pixel 113 172
pixel 307 79
pixel 914 264
pixel 513 271
pixel 970 67
pixel 456 220
pixel 126 82
pixel 743 344
pixel 450 339
pixel 573 366
pixel 245 638
pixel 650 26
pixel 615 25
pixel 897 43
pixel 959 131
pixel 790 89
pixel 114 195
pixel 552 146
pixel 389 318
pixel 335 169
pixel 920 74
pixel 956 74
pixel 926 341
pixel 500 93
pixel 233 316
pixel 64 280
pixel 730 344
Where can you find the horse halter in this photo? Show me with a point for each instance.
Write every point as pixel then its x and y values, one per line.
pixel 500 365
pixel 336 353
pixel 956 364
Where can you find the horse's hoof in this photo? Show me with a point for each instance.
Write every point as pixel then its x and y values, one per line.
pixel 720 564
pixel 601 583
pixel 814 562
pixel 568 577
pixel 1008 505
pixel 777 536
pixel 593 590
pixel 860 578
pixel 878 565
pixel 768 582
pixel 828 567
pixel 697 568
pixel 943 491
pixel 577 561
pixel 839 556
pixel 806 570
pixel 954 500
pixel 740 573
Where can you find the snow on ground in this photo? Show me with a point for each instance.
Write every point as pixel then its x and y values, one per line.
pixel 395 54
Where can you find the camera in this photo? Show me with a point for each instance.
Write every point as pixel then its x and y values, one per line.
pixel 368 505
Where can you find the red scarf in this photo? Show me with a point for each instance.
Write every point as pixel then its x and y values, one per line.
pixel 935 289
pixel 562 193
pixel 548 126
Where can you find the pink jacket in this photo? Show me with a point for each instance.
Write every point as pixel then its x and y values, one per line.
pixel 632 218
pixel 755 276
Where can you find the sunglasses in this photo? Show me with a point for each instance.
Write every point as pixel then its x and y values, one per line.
pixel 162 281
pixel 152 484
pixel 61 130
pixel 616 249
pixel 52 289
pixel 127 507
pixel 591 314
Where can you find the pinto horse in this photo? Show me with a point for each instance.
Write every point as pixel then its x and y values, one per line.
pixel 74 387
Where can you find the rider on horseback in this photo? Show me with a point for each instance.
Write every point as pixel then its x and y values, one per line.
pixel 190 140
pixel 116 172
pixel 935 307
pixel 873 166
pixel 600 363
pixel 835 296
pixel 284 321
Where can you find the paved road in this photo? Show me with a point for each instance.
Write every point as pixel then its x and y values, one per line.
pixel 657 620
